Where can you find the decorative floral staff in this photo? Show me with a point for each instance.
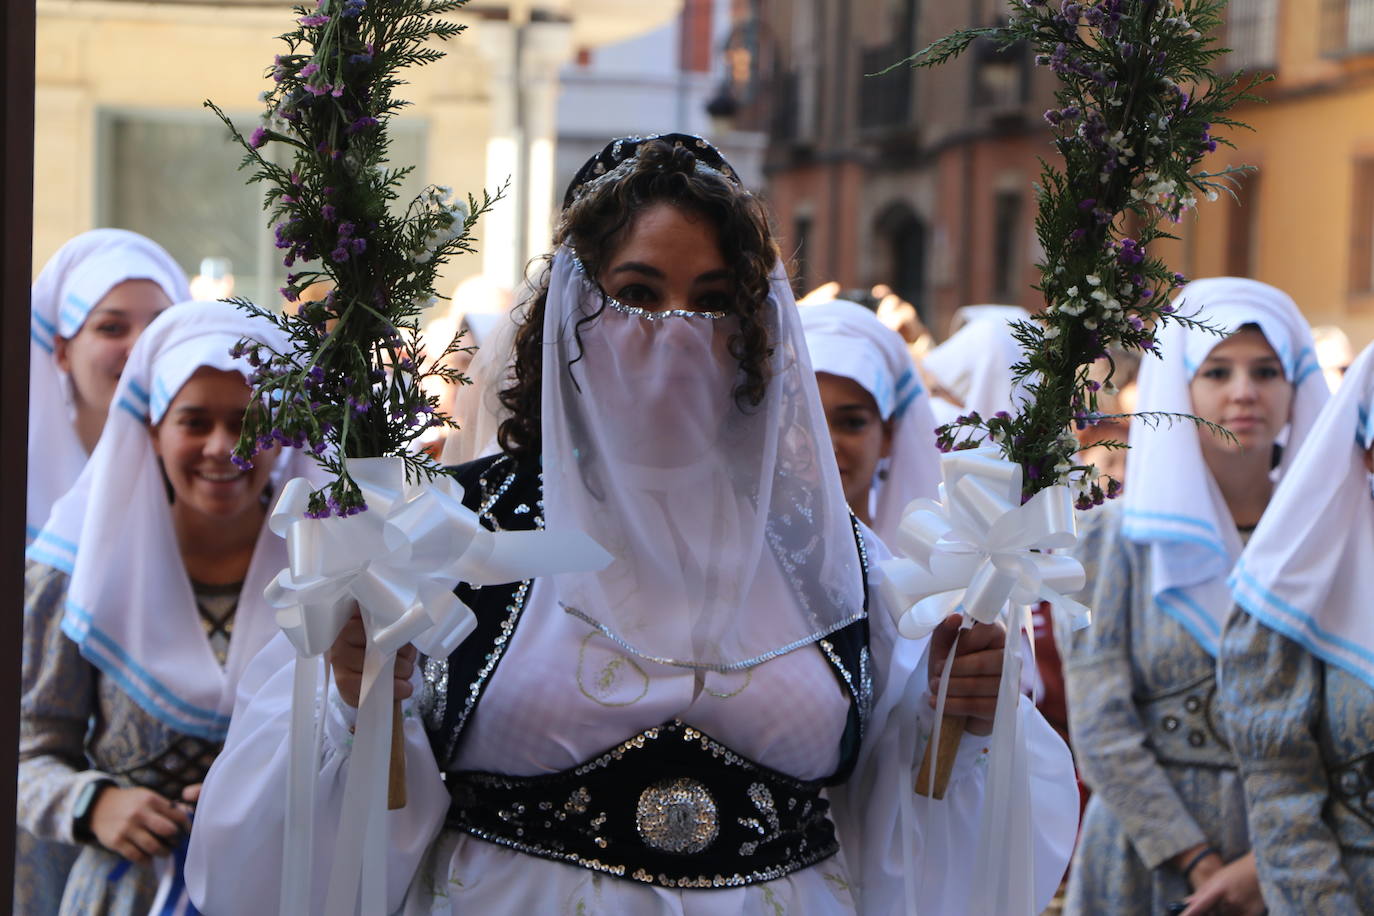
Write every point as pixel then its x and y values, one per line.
pixel 350 385
pixel 1137 105
pixel 349 390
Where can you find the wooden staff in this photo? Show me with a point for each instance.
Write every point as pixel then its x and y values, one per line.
pixel 396 781
pixel 951 731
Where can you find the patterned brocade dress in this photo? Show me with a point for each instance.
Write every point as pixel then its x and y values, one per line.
pixel 1305 746
pixel 78 726
pixel 1142 712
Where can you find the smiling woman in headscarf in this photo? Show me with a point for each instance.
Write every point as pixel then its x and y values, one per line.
pixel 88 306
pixel 1297 667
pixel 723 720
pixel 143 604
pixel 90 302
pixel 878 412
pixel 1167 816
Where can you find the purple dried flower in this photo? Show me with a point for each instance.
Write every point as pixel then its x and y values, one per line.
pixel 358 245
pixel 258 138
pixel 339 255
pixel 316 19
pixel 327 212
pixel 360 125
pixel 309 70
pixel 346 230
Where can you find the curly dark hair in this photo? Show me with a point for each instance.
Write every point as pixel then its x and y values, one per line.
pixel 597 222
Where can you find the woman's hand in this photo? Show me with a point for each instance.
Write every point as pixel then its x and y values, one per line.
pixel 346 658
pixel 977 671
pixel 1230 890
pixel 137 823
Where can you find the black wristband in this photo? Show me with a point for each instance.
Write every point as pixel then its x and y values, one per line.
pixel 1198 856
pixel 85 807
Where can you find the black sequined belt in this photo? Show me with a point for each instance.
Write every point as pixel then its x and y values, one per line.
pixel 669 807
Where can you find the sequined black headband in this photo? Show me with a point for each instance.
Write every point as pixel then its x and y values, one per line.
pixel 618 153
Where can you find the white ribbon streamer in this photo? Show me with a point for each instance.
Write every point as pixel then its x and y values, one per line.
pixel 979 551
pixel 399 562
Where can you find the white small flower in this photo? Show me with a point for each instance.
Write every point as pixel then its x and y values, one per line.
pixel 1071 291
pixel 1099 295
pixel 1094 280
pixel 1051 333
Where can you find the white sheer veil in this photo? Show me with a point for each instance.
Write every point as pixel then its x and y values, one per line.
pixel 728 524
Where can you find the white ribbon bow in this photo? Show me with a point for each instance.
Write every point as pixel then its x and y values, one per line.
pixel 978 548
pixel 399 561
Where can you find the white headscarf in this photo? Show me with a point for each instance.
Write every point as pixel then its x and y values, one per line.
pixel 130 606
pixel 1308 571
pixel 1173 503
pixel 479 408
pixel 72 283
pixel 974 364
pixel 731 536
pixel 848 340
pixel 971 313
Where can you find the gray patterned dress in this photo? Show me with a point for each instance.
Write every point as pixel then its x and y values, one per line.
pixel 1141 697
pixel 1305 745
pixel 77 726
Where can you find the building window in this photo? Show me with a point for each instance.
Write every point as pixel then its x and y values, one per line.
pixel 1347 26
pixel 1001 76
pixel 885 100
pixel 1006 228
pixel 1252 34
pixel 1242 239
pixel 173 176
pixel 1362 229
pixel 904 268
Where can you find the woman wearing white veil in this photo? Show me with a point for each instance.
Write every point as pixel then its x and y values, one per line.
pixel 143 605
pixel 1297 667
pixel 662 736
pixel 1167 817
pixel 971 370
pixel 89 304
pixel 879 413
